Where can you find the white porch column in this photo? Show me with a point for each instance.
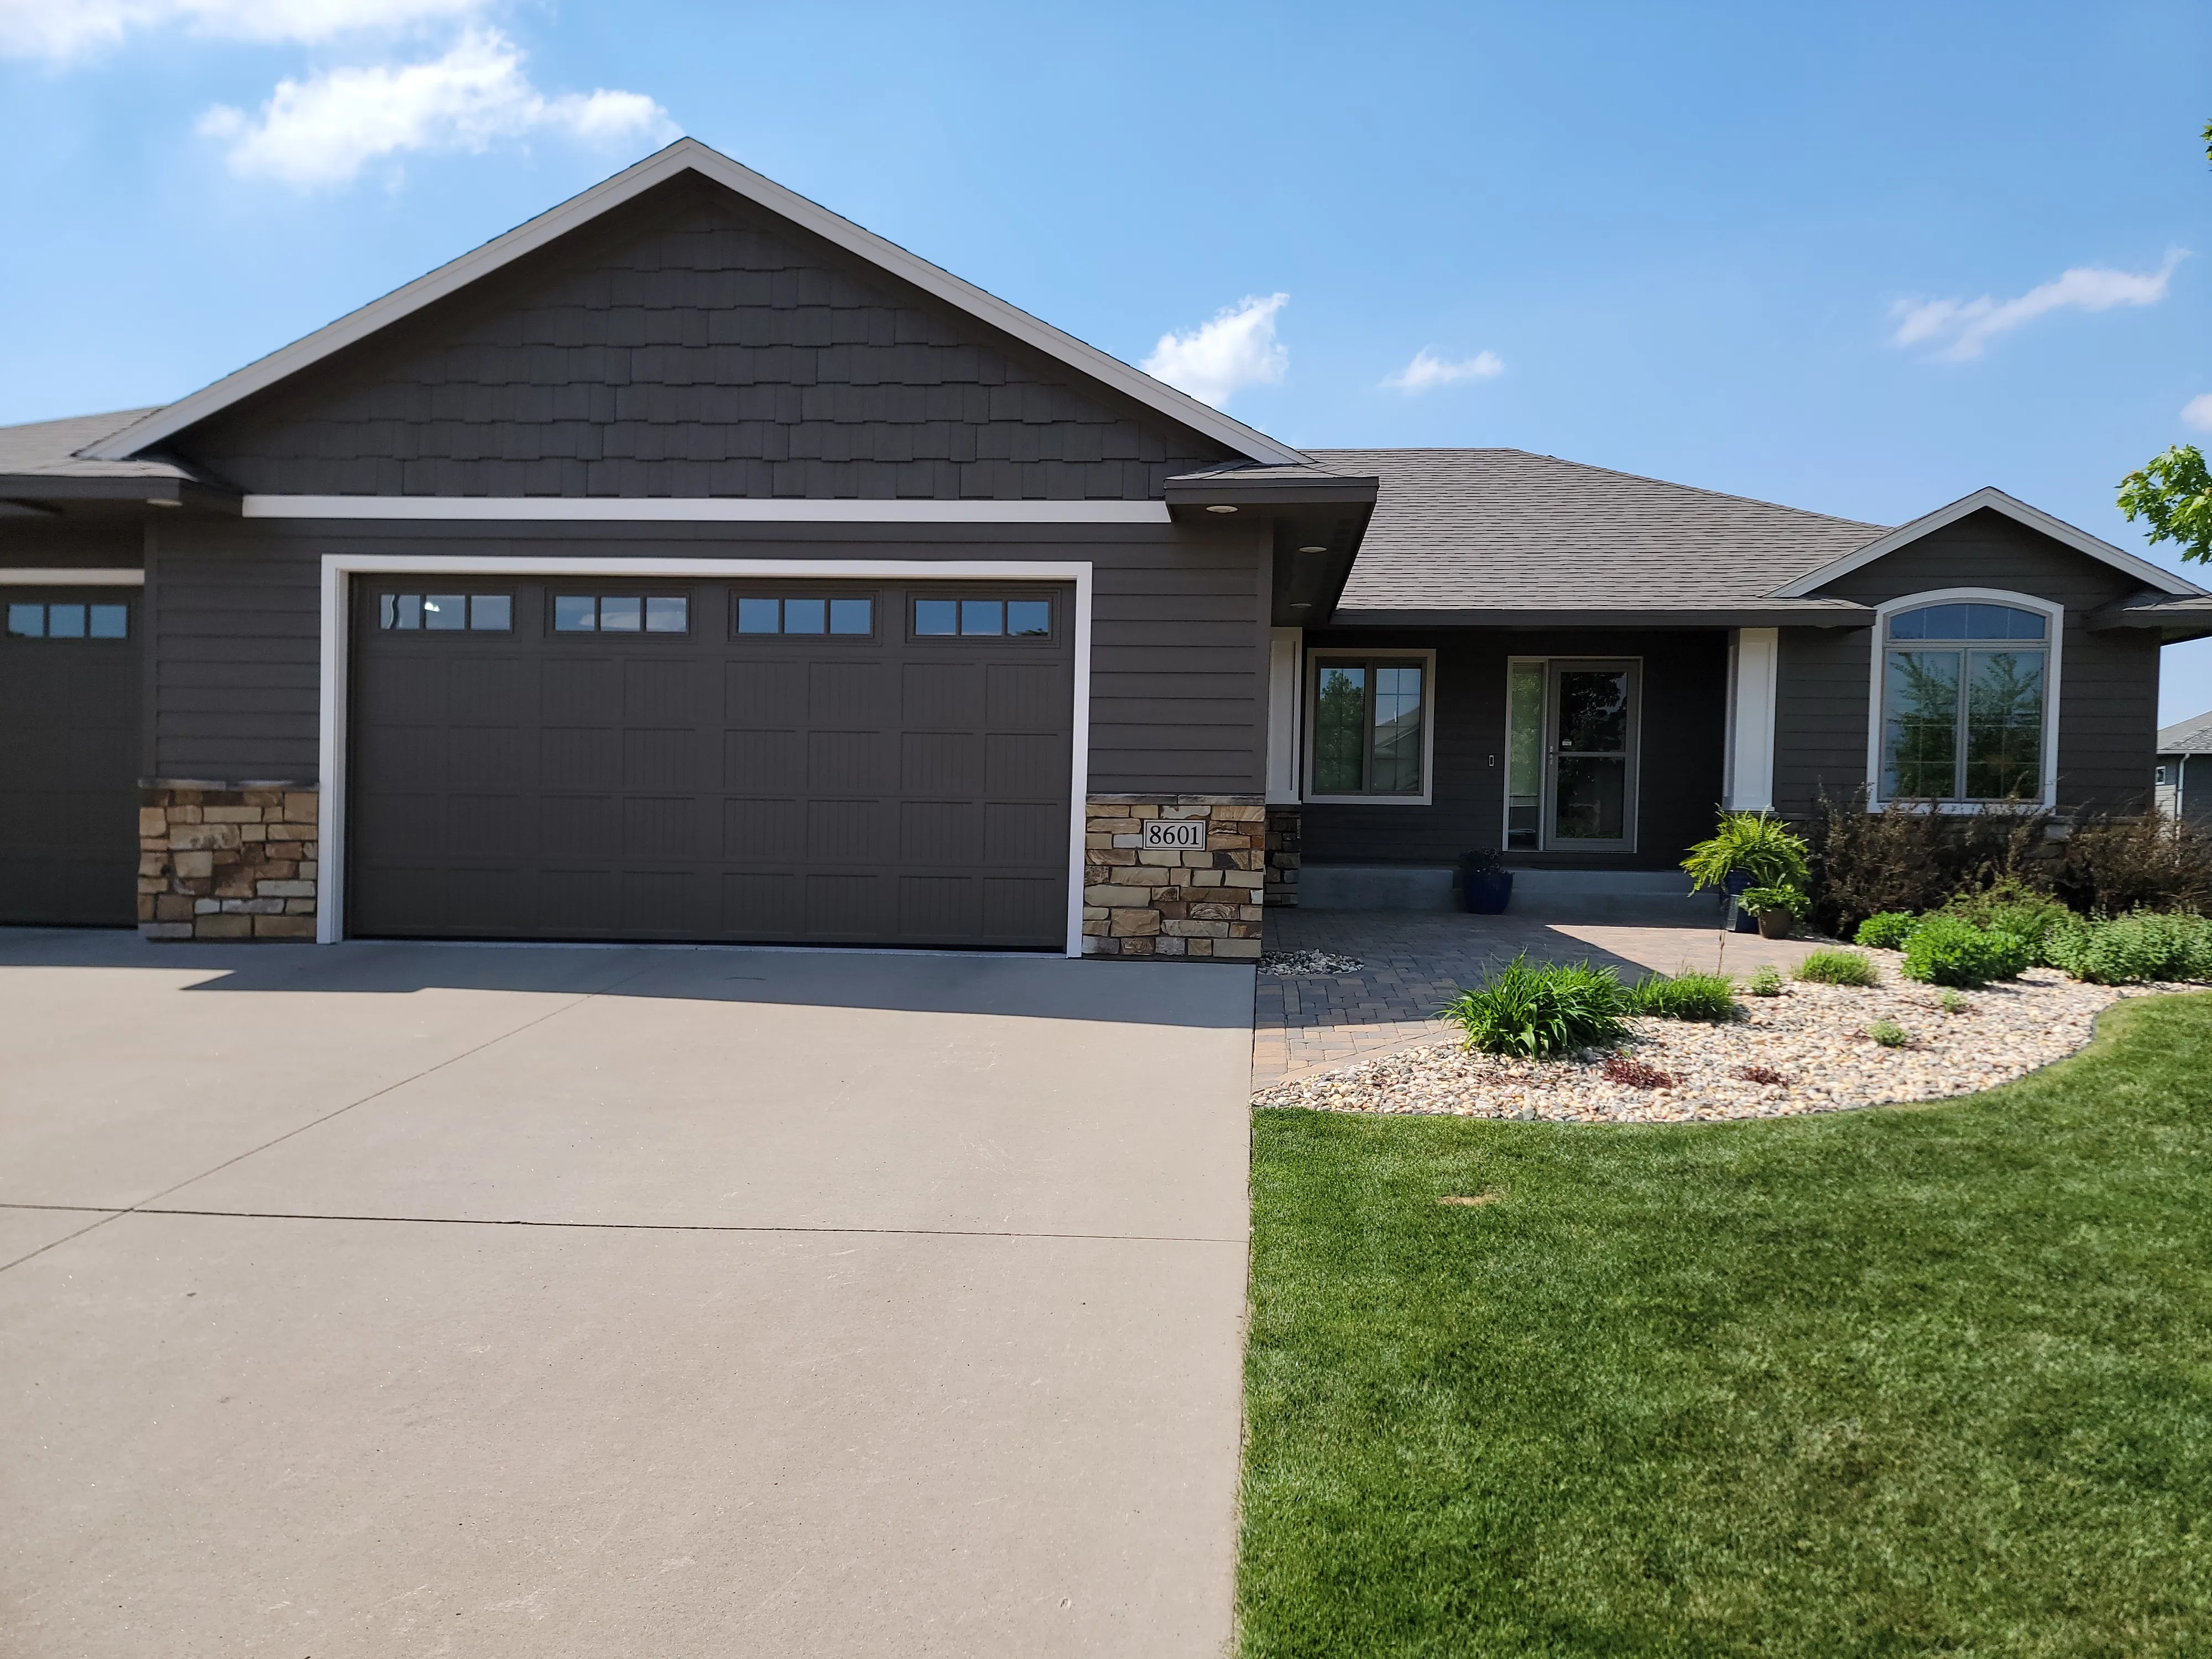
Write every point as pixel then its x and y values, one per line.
pixel 1754 656
pixel 1285 652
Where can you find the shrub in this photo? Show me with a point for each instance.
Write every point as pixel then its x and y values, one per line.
pixel 1637 1074
pixel 1886 930
pixel 1838 967
pixel 2012 906
pixel 1685 996
pixel 1766 980
pixel 1889 1034
pixel 2114 866
pixel 2125 950
pixel 1947 950
pixel 1531 1012
pixel 1757 845
pixel 1904 858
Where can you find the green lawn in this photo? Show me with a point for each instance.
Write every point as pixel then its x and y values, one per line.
pixel 1932 1380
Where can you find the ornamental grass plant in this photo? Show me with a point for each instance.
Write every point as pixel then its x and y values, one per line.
pixel 1838 967
pixel 1695 996
pixel 1534 1011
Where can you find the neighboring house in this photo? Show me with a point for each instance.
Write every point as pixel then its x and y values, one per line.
pixel 690 563
pixel 2181 781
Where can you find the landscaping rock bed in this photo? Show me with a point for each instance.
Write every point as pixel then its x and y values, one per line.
pixel 1812 1037
pixel 1309 964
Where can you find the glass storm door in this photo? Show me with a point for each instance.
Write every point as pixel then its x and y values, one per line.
pixel 1590 756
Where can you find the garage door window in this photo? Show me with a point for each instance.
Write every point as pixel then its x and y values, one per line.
pixel 620 613
pixel 806 615
pixel 447 613
pixel 69 621
pixel 969 618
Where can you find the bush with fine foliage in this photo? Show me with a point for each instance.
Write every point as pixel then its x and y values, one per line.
pixel 2127 950
pixel 1685 996
pixel 1838 967
pixel 1531 1012
pixel 1947 950
pixel 1886 930
pixel 2114 866
pixel 1904 858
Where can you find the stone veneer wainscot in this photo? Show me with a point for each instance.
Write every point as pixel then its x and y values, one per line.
pixel 1142 903
pixel 218 863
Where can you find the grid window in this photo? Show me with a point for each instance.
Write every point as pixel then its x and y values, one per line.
pixel 620 613
pixel 1963 703
pixel 806 614
pixel 440 613
pixel 68 620
pixel 1368 727
pixel 983 618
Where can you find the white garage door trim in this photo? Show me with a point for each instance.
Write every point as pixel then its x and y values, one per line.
pixel 338 569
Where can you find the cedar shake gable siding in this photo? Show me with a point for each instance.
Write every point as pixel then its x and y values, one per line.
pixel 690 344
pixel 2108 680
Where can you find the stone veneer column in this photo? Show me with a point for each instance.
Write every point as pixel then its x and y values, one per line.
pixel 1139 902
pixel 1285 827
pixel 227 864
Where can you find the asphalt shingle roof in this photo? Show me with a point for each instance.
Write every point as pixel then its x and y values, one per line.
pixel 1503 529
pixel 47 449
pixel 2189 737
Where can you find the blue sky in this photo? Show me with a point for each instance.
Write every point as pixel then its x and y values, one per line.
pixel 1689 237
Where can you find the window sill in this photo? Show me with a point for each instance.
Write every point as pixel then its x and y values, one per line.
pixel 1367 800
pixel 1963 809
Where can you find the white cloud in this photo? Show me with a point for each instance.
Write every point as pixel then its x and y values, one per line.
pixel 62 29
pixel 2197 411
pixel 321 131
pixel 1427 370
pixel 1965 327
pixel 1218 359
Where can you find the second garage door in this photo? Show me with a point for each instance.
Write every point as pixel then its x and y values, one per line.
pixel 796 762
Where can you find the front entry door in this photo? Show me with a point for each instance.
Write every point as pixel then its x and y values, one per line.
pixel 1589 782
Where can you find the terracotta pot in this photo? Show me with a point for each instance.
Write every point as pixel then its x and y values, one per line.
pixel 1776 924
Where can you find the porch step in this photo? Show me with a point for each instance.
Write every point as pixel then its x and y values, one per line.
pixel 1658 896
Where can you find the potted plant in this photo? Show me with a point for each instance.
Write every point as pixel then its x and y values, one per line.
pixel 1486 888
pixel 1748 850
pixel 1779 909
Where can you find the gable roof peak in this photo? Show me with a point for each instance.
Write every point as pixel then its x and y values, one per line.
pixel 683 156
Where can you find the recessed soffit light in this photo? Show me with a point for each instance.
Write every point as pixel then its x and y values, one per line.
pixel 1221 507
pixel 1315 547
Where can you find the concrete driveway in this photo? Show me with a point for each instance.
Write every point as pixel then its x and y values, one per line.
pixel 397 1300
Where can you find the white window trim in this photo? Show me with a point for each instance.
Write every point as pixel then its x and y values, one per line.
pixel 95 576
pixel 2055 633
pixel 339 569
pixel 1317 658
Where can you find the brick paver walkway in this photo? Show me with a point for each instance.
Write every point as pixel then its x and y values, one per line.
pixel 1416 961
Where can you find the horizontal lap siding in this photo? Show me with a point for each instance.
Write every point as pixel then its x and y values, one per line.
pixel 1178 641
pixel 1685 697
pixel 2108 682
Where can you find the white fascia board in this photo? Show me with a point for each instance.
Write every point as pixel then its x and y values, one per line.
pixel 688 154
pixel 2020 512
pixel 62 576
pixel 333 719
pixel 660 509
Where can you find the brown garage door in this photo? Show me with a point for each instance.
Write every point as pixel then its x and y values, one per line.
pixel 623 758
pixel 69 752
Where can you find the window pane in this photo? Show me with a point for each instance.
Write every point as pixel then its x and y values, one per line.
pixel 852 616
pixel 759 616
pixel 111 622
pixel 1593 800
pixel 1920 724
pixel 668 615
pixel 1029 618
pixel 1340 729
pixel 2004 725
pixel 1909 625
pixel 1524 752
pixel 406 609
pixel 1396 768
pixel 1593 711
pixel 982 617
pixel 27 620
pixel 493 613
pixel 387 611
pixel 445 611
pixel 805 616
pixel 573 613
pixel 936 616
pixel 621 616
pixel 65 621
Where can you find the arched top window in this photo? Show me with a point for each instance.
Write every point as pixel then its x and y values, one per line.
pixel 1964 700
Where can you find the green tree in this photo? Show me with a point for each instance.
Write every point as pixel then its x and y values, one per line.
pixel 2174 493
